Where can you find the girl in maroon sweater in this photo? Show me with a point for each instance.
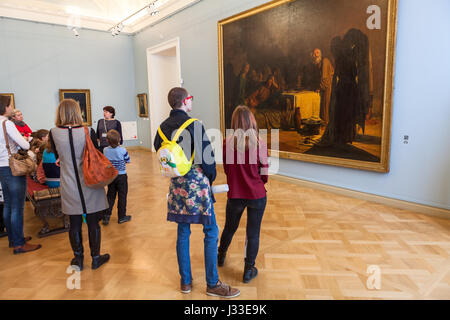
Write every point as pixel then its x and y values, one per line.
pixel 245 161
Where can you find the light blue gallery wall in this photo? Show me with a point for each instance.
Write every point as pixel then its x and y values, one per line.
pixel 39 59
pixel 420 171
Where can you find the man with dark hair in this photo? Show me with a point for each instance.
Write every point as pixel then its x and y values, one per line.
pixel 196 203
pixel 176 97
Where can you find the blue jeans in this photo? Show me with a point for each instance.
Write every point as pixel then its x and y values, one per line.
pixel 210 250
pixel 14 189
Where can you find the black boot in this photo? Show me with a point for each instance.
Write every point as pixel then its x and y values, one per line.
pixel 221 258
pixel 250 272
pixel 105 219
pixel 94 242
pixel 76 241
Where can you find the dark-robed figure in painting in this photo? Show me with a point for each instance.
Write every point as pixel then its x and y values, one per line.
pixel 351 93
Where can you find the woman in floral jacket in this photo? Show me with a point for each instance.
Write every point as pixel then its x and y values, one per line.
pixel 190 200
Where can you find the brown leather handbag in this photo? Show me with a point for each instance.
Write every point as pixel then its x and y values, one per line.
pixel 20 163
pixel 97 169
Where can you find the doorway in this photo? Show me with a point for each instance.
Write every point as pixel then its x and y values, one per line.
pixel 164 73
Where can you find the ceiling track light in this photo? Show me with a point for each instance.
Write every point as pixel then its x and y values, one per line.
pixel 117 29
pixel 151 8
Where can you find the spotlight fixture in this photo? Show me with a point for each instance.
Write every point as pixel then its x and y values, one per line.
pixel 117 30
pixel 152 9
pixel 75 32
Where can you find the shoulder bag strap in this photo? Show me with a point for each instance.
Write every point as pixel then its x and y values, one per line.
pixel 6 138
pixel 75 168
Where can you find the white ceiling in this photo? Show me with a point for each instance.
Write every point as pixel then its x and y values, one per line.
pixel 91 14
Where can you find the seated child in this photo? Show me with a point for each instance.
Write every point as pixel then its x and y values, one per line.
pixel 41 135
pixel 51 169
pixel 118 157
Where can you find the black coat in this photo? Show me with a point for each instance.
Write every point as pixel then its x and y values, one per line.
pixel 201 143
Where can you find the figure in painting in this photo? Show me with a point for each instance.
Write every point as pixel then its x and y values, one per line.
pixel 318 76
pixel 243 83
pixel 263 96
pixel 351 94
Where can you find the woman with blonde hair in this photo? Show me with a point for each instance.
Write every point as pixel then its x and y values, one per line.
pixel 24 129
pixel 245 161
pixel 68 141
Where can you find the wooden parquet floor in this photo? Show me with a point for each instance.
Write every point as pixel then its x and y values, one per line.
pixel 314 245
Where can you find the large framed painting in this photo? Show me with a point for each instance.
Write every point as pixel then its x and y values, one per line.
pixel 142 105
pixel 11 95
pixel 317 73
pixel 83 97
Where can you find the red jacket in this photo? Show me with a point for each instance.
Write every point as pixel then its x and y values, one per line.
pixel 246 176
pixel 24 131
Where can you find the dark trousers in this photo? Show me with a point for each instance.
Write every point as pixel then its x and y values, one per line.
pixel 76 222
pixel 94 232
pixel 255 212
pixel 120 187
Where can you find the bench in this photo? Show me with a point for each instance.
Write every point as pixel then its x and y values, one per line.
pixel 47 204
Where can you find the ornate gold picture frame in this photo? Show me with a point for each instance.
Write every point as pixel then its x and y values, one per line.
pixel 142 105
pixel 83 96
pixel 319 71
pixel 11 95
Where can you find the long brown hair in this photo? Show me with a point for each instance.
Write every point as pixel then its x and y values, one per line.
pixel 245 129
pixel 68 112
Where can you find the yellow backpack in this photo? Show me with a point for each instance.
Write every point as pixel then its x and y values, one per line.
pixel 172 160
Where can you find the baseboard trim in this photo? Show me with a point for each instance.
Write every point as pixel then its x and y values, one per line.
pixel 400 204
pixel 134 148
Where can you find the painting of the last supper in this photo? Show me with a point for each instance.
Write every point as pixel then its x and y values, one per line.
pixel 320 72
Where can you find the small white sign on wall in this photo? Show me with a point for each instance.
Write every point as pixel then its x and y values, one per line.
pixel 129 130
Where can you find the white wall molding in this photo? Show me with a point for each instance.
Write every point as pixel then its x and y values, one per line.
pixel 400 204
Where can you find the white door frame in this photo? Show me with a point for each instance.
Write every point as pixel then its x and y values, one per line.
pixel 155 50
